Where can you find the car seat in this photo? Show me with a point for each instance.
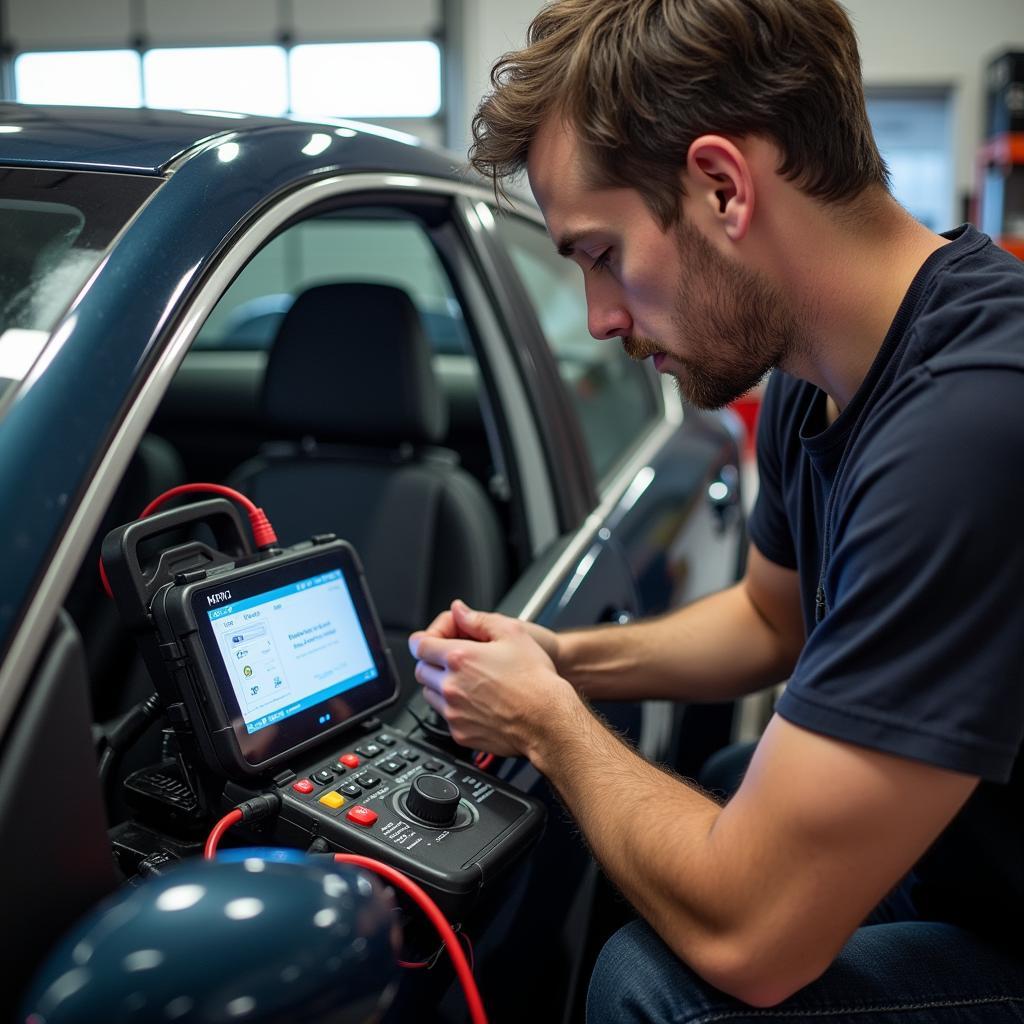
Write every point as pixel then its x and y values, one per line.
pixel 350 379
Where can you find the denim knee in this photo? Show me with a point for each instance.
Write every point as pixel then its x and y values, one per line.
pixel 638 980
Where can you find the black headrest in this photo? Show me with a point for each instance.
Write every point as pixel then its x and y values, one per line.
pixel 351 361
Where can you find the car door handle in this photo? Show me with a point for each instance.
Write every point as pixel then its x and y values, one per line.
pixel 723 496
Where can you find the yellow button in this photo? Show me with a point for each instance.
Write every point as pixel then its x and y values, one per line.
pixel 334 800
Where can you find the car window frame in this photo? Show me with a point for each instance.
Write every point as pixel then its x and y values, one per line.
pixel 183 324
pixel 648 375
pixel 564 541
pixel 559 404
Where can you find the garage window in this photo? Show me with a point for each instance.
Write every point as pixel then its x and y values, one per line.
pixel 95 78
pixel 401 79
pixel 614 396
pixel 247 79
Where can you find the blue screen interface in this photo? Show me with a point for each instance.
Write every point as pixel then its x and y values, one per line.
pixel 292 648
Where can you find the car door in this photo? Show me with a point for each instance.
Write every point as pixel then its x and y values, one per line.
pixel 647 517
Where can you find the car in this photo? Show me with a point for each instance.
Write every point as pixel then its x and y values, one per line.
pixel 308 311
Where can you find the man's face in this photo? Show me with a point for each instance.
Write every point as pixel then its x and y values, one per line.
pixel 716 325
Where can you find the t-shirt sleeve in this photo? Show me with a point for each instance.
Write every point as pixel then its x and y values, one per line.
pixel 769 525
pixel 921 650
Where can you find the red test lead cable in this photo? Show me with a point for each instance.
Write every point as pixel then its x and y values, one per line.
pixel 260 806
pixel 217 833
pixel 262 532
pixel 429 907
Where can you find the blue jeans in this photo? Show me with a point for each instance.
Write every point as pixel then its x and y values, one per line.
pixel 893 969
pixel 911 972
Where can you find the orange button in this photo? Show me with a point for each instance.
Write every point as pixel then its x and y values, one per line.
pixel 361 815
pixel 349 760
pixel 332 799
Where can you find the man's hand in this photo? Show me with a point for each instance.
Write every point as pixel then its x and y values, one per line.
pixel 445 626
pixel 492 678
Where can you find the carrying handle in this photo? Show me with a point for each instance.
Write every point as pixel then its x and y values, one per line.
pixel 134 584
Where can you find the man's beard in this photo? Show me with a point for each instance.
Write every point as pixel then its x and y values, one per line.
pixel 733 323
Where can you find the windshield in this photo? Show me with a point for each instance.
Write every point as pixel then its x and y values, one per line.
pixel 55 226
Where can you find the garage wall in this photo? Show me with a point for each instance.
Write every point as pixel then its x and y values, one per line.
pixel 940 42
pixel 57 23
pixel 903 42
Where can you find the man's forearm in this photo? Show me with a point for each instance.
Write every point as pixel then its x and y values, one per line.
pixel 718 648
pixel 652 835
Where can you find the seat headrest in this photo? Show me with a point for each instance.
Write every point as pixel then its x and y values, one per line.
pixel 351 362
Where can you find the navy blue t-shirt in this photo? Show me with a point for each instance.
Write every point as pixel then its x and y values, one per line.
pixel 903 518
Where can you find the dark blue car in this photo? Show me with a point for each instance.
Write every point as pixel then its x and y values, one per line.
pixel 317 314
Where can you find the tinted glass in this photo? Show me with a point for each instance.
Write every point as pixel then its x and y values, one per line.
pixel 612 394
pixel 55 227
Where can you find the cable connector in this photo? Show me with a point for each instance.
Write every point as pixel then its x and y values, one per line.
pixel 262 532
pixel 259 807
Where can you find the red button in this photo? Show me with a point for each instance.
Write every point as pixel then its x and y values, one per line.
pixel 303 786
pixel 362 815
pixel 349 760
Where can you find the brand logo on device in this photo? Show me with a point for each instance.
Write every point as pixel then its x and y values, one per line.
pixel 224 595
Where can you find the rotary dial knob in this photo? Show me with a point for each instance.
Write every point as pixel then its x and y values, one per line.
pixel 433 799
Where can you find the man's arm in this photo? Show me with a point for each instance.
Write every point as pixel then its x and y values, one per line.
pixel 718 648
pixel 759 896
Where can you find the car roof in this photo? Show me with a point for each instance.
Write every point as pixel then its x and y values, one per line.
pixel 145 141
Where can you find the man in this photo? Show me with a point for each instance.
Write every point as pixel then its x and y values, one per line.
pixel 710 167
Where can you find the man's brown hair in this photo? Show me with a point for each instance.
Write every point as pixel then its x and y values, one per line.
pixel 639 80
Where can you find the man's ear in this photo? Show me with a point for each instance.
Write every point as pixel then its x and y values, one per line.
pixel 719 183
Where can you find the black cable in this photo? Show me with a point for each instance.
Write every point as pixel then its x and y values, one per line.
pixel 126 732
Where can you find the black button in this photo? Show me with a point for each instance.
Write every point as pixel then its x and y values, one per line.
pixel 409 754
pixel 393 766
pixel 350 789
pixel 369 750
pixel 338 769
pixel 323 776
pixel 432 766
pixel 368 781
pixel 385 740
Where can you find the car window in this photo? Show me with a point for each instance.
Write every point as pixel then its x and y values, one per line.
pixel 613 395
pixel 334 249
pixel 55 228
